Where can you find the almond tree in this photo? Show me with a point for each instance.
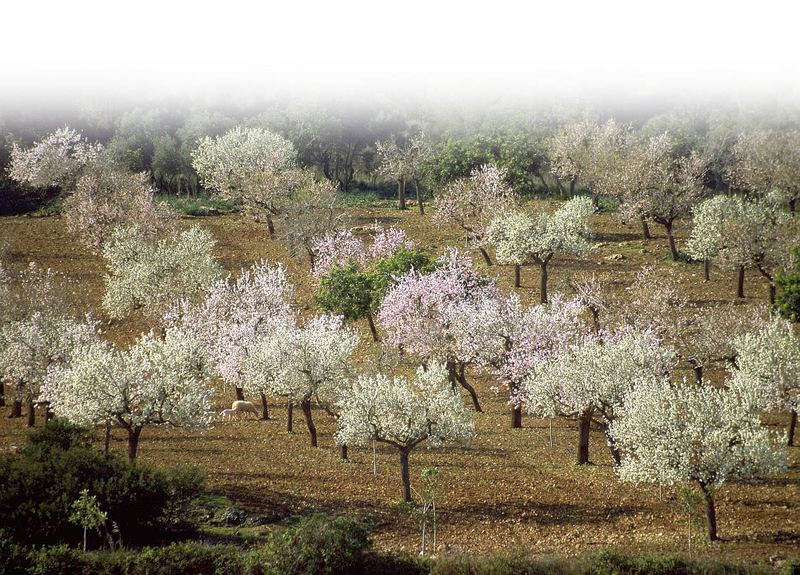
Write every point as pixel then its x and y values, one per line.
pixel 768 373
pixel 426 315
pixel 708 228
pixel 404 414
pixel 232 315
pixel 40 331
pixel 592 379
pixel 692 434
pixel 404 163
pixel 155 382
pixel 342 247
pixel 520 238
pixel 509 339
pixel 302 364
pixel 151 275
pixel 246 164
pixel 765 161
pixel 472 202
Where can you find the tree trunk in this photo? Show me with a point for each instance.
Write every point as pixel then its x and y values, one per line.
pixel 711 512
pixel 48 413
pixel 706 270
pixel 698 372
pixel 672 249
pixel 584 421
pixel 419 198
pixel 771 293
pixel 401 193
pixel 343 452
pixel 517 270
pixel 270 226
pixel 543 283
pixel 573 183
pixel 16 409
pixel 485 255
pixel 792 427
pixel 372 329
pixel 2 394
pixel 31 414
pixel 615 454
pixel 107 438
pixel 793 205
pixel 516 417
pixel 239 394
pixel 646 229
pixel 289 416
pixel 133 442
pixel 462 379
pixel 547 190
pixel 264 406
pixel 740 283
pixel 404 474
pixel 305 405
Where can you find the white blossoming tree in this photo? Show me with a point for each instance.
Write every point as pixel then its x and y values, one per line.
pixel 404 163
pixel 765 161
pixel 232 315
pixel 155 382
pixel 152 274
pixel 591 379
pixel 768 373
pixel 302 364
pixel 708 227
pixel 404 414
pixel 472 202
pixel 246 164
pixel 520 238
pixel 677 434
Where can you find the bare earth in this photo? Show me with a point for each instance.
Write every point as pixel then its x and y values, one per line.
pixel 510 489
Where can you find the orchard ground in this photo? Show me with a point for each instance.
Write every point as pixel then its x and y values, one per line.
pixel 510 489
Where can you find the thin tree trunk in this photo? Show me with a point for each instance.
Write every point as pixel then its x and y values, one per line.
pixel 772 293
pixel 404 474
pixel 646 229
pixel 793 205
pixel 792 427
pixel 517 273
pixel 107 438
pixel 584 422
pixel 711 512
pixel 740 283
pixel 31 414
pixel 343 452
pixel 372 329
pixel 401 193
pixel 419 198
pixel 2 394
pixel 615 454
pixel 672 249
pixel 239 394
pixel 462 379
pixel 573 183
pixel 706 270
pixel 16 409
pixel 543 283
pixel 133 442
pixel 270 226
pixel 698 372
pixel 543 182
pixel 305 405
pixel 289 416
pixel 516 417
pixel 264 406
pixel 485 255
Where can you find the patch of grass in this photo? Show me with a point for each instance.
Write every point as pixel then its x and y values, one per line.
pixel 607 204
pixel 360 198
pixel 51 207
pixel 199 206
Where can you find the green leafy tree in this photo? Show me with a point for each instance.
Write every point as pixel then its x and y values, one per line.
pixel 86 512
pixel 787 300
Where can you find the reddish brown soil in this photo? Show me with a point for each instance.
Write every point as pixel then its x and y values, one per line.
pixel 510 489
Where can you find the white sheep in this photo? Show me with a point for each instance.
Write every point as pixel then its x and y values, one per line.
pixel 227 414
pixel 244 407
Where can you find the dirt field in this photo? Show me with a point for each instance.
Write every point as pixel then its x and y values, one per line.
pixel 510 489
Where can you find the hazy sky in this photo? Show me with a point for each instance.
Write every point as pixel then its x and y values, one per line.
pixel 612 50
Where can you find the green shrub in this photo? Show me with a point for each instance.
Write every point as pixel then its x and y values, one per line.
pixel 188 558
pixel 318 545
pixel 792 567
pixel 60 560
pixel 40 485
pixel 13 557
pixel 199 206
pixel 787 298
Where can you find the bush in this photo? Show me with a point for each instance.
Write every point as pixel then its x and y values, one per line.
pixel 60 560
pixel 186 558
pixel 787 298
pixel 792 567
pixel 13 557
pixel 40 485
pixel 318 545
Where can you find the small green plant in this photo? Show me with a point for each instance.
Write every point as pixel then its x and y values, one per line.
pixel 787 299
pixel 426 509
pixel 690 503
pixel 86 512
